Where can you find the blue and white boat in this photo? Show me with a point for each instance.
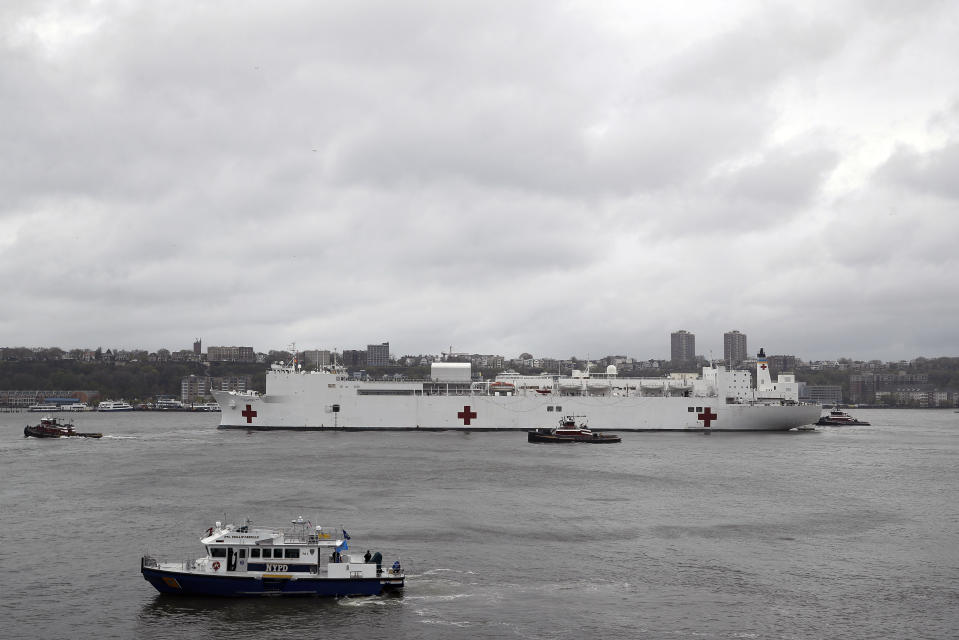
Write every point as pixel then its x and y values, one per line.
pixel 299 560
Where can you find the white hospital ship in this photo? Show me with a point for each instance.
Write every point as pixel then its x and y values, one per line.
pixel 716 400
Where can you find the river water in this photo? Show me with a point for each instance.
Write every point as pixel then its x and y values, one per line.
pixel 841 532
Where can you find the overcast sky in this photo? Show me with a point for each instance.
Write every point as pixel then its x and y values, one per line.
pixel 554 177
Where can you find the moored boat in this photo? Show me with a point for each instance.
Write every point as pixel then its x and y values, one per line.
pixel 168 404
pixel 205 406
pixel 114 405
pixel 53 428
pixel 569 431
pixel 838 417
pixel 299 560
pixel 43 408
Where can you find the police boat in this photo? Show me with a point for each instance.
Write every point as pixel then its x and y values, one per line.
pixel 299 560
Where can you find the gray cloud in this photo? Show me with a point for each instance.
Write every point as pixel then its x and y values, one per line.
pixel 508 177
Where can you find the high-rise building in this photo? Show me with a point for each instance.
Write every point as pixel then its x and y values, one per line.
pixel 683 347
pixel 230 354
pixel 194 387
pixel 378 355
pixel 734 348
pixel 197 347
pixel 353 358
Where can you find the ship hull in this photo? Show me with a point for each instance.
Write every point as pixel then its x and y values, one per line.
pixel 199 584
pixel 323 402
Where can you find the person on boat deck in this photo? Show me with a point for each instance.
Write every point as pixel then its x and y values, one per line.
pixel 396 566
pixel 367 556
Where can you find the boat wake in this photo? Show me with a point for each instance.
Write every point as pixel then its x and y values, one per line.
pixel 370 601
pixel 449 597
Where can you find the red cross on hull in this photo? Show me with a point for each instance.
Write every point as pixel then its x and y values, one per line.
pixel 248 413
pixel 466 415
pixel 707 416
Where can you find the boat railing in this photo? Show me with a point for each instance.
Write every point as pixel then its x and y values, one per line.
pixel 305 539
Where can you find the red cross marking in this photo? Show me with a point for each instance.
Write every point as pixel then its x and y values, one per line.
pixel 707 416
pixel 763 366
pixel 466 415
pixel 248 413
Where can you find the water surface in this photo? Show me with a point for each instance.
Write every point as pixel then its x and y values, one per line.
pixel 843 532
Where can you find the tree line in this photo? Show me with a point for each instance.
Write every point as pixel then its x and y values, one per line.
pixel 143 380
pixel 132 381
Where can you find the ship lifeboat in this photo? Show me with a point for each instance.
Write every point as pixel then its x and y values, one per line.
pixel 502 388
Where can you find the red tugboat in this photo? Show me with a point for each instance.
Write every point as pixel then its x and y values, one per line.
pixel 53 428
pixel 569 431
pixel 838 417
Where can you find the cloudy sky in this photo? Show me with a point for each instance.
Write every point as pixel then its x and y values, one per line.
pixel 551 177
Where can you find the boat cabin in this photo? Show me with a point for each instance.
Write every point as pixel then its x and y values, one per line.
pixel 303 549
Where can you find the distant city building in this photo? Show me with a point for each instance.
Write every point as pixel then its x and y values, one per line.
pixel 378 355
pixel 487 361
pixel 230 354
pixel 18 399
pixel 734 348
pixel 239 384
pixel 867 388
pixel 317 358
pixel 683 347
pixel 825 394
pixel 353 358
pixel 197 349
pixel 193 387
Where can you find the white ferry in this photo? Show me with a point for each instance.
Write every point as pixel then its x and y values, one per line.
pixel 43 408
pixel 302 559
pixel 205 406
pixel 114 405
pixel 169 404
pixel 716 400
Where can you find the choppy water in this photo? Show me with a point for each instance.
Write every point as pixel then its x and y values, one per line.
pixel 845 532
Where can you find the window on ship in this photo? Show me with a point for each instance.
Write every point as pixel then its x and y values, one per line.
pixel 292 553
pixel 218 552
pixel 254 553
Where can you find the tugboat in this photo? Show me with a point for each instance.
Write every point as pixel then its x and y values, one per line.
pixel 299 560
pixel 569 431
pixel 53 428
pixel 837 417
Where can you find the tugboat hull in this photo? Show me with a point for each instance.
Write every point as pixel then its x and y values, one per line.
pixel 550 438
pixel 52 428
pixel 826 422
